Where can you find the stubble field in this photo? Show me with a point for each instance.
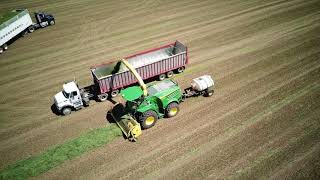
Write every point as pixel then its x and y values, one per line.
pixel 262 121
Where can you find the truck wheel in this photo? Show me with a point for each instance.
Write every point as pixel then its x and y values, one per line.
pixel 52 22
pixel 172 109
pixel 114 93
pixel 24 33
pixel 103 97
pixel 180 69
pixel 161 77
pixel 31 29
pixel 5 47
pixel 169 74
pixel 66 111
pixel 208 93
pixel 148 119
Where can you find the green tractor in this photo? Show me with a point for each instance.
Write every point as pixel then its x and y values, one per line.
pixel 145 104
pixel 162 101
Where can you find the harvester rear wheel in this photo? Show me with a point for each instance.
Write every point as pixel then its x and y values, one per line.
pixel 148 119
pixel 172 109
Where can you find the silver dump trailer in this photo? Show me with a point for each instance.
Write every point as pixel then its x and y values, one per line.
pixel 19 22
pixel 160 62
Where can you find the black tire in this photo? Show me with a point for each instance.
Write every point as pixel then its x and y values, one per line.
pixel 52 22
pixel 114 93
pixel 31 29
pixel 86 103
pixel 161 77
pixel 208 93
pixel 169 74
pixel 172 109
pixel 180 69
pixel 24 33
pixel 103 97
pixel 5 47
pixel 66 111
pixel 148 119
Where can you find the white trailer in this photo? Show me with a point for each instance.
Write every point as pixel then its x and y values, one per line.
pixel 19 22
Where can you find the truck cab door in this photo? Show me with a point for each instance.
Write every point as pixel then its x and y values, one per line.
pixel 76 100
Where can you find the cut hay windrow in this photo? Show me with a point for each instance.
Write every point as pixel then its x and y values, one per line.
pixel 57 155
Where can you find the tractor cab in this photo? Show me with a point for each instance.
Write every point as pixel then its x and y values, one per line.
pixel 44 19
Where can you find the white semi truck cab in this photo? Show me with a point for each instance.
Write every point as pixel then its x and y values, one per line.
pixel 71 98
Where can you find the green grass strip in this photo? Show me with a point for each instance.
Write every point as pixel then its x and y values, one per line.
pixel 35 165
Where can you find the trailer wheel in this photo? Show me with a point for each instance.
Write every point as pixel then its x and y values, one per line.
pixel 31 29
pixel 52 22
pixel 172 109
pixel 24 33
pixel 148 119
pixel 66 111
pixel 169 74
pixel 103 97
pixel 180 69
pixel 114 93
pixel 161 77
pixel 5 47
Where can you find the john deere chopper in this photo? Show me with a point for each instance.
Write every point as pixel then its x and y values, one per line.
pixel 145 104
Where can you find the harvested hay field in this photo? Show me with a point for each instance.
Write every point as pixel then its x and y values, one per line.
pixel 262 121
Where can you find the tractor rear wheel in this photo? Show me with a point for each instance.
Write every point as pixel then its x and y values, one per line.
pixel 172 109
pixel 148 119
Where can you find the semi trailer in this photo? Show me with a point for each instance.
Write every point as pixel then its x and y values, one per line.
pixel 18 23
pixel 110 78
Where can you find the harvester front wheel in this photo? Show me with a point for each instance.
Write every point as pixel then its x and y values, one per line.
pixel 148 119
pixel 172 109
